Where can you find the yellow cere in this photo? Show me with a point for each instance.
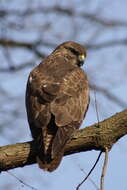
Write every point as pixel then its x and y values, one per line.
pixel 81 57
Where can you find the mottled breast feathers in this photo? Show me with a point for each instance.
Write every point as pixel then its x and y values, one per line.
pixel 57 98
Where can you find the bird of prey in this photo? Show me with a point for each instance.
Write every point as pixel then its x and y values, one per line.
pixel 57 98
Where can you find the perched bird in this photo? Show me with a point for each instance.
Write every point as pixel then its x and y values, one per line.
pixel 57 98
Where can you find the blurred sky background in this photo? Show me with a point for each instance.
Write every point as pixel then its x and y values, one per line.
pixel 29 31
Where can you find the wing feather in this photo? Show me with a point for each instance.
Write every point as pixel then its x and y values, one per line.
pixel 73 99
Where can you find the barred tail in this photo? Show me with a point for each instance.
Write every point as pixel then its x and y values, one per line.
pixel 44 157
pixel 52 148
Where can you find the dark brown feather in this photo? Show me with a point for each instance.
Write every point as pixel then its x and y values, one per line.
pixel 57 98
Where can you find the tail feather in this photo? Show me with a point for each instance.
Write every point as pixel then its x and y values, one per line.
pixel 62 136
pixel 52 145
pixel 52 165
pixel 44 157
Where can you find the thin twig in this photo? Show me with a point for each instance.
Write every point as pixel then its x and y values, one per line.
pixel 77 188
pixel 104 169
pixel 96 108
pixel 69 12
pixel 108 94
pixel 106 150
pixel 91 180
pixel 25 184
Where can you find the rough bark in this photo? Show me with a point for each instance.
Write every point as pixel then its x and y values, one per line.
pixel 94 137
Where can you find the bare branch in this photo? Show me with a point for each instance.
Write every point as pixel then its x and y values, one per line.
pixel 90 179
pixel 68 11
pixel 21 181
pixel 77 188
pixel 104 169
pixel 34 46
pixel 18 67
pixel 110 43
pixel 94 137
pixel 109 95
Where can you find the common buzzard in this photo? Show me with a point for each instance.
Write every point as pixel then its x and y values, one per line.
pixel 57 98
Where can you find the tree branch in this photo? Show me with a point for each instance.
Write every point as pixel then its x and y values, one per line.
pixel 93 17
pixel 92 137
pixel 112 97
pixel 34 46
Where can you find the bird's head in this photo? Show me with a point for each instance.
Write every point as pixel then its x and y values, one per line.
pixel 75 50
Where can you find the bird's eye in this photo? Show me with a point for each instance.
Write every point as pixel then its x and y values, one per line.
pixel 81 57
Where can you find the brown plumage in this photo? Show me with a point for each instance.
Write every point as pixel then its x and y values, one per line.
pixel 57 98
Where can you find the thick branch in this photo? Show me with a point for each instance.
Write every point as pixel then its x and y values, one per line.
pixel 93 137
